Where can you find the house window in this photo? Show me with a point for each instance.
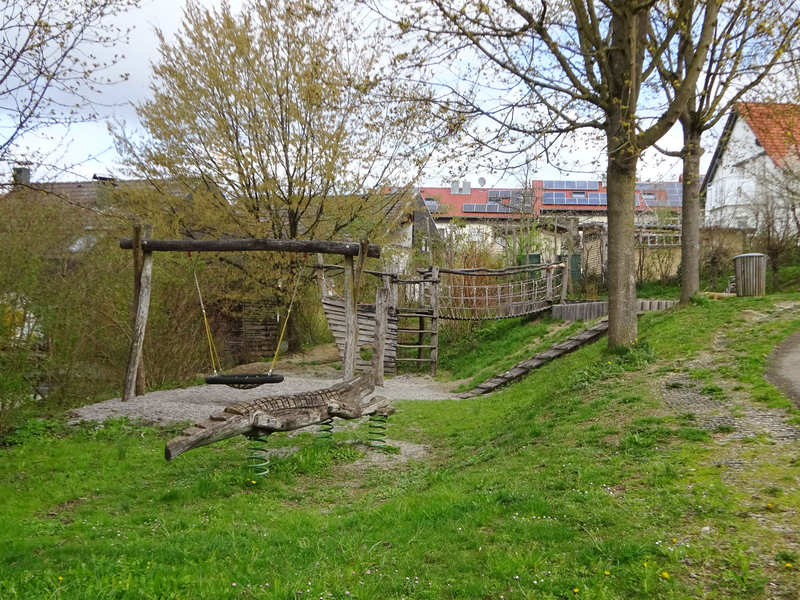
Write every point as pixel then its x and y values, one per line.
pixel 579 194
pixel 649 197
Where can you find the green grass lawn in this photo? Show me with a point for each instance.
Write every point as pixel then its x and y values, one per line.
pixel 577 482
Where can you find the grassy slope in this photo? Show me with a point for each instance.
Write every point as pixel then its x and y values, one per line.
pixel 498 346
pixel 576 482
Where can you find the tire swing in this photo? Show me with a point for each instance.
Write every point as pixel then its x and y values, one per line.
pixel 244 381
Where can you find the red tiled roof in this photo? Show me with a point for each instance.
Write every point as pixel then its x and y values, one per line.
pixel 454 203
pixel 776 127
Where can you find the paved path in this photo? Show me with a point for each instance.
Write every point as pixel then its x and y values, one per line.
pixel 784 367
pixel 197 403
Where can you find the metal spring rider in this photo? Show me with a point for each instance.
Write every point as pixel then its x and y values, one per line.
pixel 259 459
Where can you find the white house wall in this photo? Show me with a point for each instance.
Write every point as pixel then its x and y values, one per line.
pixel 734 183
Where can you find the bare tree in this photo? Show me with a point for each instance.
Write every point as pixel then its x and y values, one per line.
pixel 539 68
pixel 752 38
pixel 49 72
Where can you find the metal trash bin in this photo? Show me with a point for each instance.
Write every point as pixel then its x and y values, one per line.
pixel 751 274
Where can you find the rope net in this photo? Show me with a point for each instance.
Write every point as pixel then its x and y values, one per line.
pixel 461 298
pixel 477 294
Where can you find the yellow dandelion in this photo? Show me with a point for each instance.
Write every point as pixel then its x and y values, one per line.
pixel 787 564
pixel 665 575
pixel 60 578
pixel 674 540
pixel 607 573
pixel 769 505
pixel 645 564
pixel 575 590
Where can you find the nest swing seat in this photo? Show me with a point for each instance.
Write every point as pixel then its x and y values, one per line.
pixel 243 381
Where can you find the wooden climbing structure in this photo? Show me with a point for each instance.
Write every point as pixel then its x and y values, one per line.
pixel 415 305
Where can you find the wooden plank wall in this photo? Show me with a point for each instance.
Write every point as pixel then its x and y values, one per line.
pixel 334 312
pixel 586 311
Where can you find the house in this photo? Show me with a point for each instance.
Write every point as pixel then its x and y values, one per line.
pixel 754 167
pixel 496 216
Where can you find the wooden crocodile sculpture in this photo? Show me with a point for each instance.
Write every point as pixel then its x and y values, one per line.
pixel 283 413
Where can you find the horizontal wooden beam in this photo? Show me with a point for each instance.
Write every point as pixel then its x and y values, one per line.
pixel 253 245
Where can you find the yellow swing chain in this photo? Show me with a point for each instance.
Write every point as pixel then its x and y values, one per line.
pixel 215 362
pixel 285 322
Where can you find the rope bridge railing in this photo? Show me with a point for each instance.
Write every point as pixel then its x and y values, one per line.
pixel 532 289
pixel 479 294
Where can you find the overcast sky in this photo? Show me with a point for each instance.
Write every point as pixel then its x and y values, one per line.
pixel 93 140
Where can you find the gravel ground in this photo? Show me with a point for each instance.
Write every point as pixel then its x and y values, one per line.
pixel 198 403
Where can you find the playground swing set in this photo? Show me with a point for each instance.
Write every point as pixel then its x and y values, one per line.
pixel 258 418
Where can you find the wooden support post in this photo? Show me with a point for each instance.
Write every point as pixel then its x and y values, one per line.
pixel 549 289
pixel 321 277
pixel 350 321
pixel 381 330
pixel 421 303
pixel 138 263
pixel 394 292
pixel 434 319
pixel 140 324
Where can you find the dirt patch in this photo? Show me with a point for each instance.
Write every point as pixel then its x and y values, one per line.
pixel 386 461
pixel 197 403
pixel 320 362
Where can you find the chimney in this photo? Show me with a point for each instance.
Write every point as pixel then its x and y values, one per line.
pixel 21 176
pixel 454 188
pixel 466 187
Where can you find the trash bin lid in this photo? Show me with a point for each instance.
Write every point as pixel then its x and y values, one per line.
pixel 750 254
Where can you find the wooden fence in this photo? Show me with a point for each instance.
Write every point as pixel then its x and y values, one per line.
pixel 586 311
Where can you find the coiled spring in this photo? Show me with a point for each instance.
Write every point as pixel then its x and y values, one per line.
pixel 325 430
pixel 377 430
pixel 259 457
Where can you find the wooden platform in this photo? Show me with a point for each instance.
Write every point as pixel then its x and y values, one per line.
pixel 334 312
pixel 585 337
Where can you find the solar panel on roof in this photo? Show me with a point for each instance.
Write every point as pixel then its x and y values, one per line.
pixel 505 193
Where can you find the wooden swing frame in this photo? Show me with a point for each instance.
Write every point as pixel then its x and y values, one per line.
pixel 143 249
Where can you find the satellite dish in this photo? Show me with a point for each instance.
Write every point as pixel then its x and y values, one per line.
pixel 481 181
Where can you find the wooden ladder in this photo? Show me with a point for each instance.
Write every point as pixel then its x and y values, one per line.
pixel 421 324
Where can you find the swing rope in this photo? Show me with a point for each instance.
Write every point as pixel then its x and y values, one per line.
pixel 215 362
pixel 286 321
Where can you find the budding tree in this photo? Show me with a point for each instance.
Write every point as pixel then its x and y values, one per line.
pixel 280 120
pixel 51 66
pixel 554 68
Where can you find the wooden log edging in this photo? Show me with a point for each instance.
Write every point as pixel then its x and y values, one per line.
pixel 586 311
pixel 584 338
pixel 269 414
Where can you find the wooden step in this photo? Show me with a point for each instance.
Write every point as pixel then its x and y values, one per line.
pixel 398 359
pixel 411 346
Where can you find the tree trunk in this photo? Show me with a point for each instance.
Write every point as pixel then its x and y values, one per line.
pixel 621 185
pixel 690 216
